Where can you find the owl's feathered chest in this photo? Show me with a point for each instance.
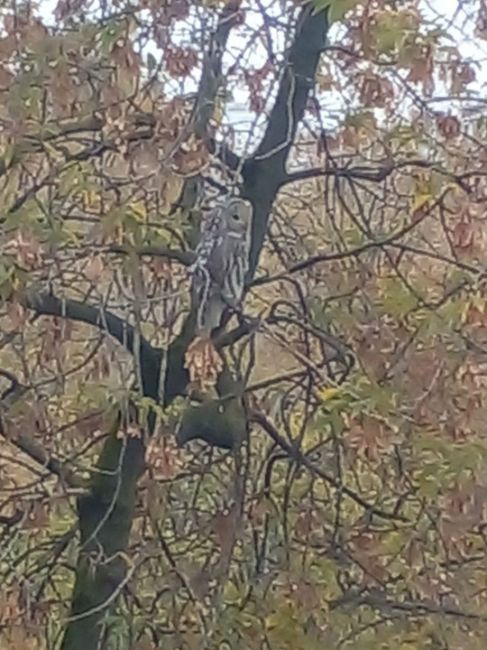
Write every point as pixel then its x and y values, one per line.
pixel 217 250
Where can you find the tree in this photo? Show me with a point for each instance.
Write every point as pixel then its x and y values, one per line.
pixel 315 477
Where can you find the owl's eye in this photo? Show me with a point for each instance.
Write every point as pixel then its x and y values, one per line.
pixel 235 216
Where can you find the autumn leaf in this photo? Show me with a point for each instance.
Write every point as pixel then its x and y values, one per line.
pixel 317 482
pixel 224 526
pixel 329 393
pixel 94 268
pixel 203 362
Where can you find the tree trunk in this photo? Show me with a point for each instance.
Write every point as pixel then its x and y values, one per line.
pixel 105 519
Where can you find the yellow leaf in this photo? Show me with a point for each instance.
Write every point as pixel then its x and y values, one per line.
pixel 91 198
pixel 420 201
pixel 139 210
pixel 7 152
pixel 329 393
pixel 218 111
pixel 478 302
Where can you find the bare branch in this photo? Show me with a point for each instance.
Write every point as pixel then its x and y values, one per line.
pixel 36 451
pixel 27 443
pixel 186 258
pixel 296 82
pixel 354 252
pixel 371 174
pixel 383 602
pixel 211 76
pixel 297 455
pixel 375 175
pixel 49 305
pixel 263 173
pixel 14 382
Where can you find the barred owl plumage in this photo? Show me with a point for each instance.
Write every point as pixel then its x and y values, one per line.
pixel 222 261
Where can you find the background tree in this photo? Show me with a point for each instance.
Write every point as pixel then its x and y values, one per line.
pixel 317 478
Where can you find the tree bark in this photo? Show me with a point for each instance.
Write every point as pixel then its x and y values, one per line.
pixel 106 515
pixel 105 521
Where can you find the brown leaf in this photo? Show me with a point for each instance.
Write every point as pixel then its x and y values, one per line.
pixel 200 583
pixel 66 8
pixel 369 436
pixel 306 595
pixel 462 74
pixel 63 89
pixel 306 523
pixel 481 22
pixel 376 91
pixel 7 47
pixel 5 78
pixel 168 12
pixel 190 156
pixel 367 549
pixel 448 125
pixel 255 82
pixel 125 57
pixel 203 363
pixel 17 315
pixel 463 235
pixel 162 458
pixel 420 63
pixel 38 517
pixel 350 137
pixel 26 249
pixel 259 510
pixel 33 32
pixel 180 61
pixel 94 268
pixel 224 526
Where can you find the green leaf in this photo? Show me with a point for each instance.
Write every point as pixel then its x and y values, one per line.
pixel 391 29
pixel 339 8
pixel 336 8
pixel 397 300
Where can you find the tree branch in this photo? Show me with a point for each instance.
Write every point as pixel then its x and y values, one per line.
pixel 262 175
pixel 211 75
pixel 29 446
pixel 296 454
pixel 106 515
pixel 375 175
pixel 384 603
pixel 371 174
pixel 354 252
pixel 297 80
pixel 186 258
pixel 264 172
pixel 48 305
pixel 105 521
pixel 27 443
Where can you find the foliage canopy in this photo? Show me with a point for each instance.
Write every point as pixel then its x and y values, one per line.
pixel 318 479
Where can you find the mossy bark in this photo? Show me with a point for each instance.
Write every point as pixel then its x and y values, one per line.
pixel 105 518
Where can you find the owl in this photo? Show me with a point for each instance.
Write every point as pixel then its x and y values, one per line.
pixel 222 261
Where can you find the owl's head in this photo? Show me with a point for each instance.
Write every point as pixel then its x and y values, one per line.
pixel 238 215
